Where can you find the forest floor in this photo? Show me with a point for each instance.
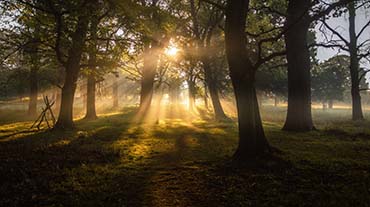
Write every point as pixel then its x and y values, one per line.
pixel 114 161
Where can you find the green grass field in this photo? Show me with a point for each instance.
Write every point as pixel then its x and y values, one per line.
pixel 114 161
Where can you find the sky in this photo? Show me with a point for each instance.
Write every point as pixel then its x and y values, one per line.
pixel 341 25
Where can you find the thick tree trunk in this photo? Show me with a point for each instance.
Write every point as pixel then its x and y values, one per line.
pixel 252 141
pixel 299 116
pixel 354 66
pixel 90 99
pixel 32 105
pixel 65 118
pixel 115 92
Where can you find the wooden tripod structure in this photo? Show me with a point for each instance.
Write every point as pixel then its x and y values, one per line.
pixel 44 115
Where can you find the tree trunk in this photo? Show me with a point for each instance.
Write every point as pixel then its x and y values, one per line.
pixel 191 91
pixel 32 105
pixel 252 140
pixel 205 97
pixel 174 92
pixel 148 75
pixel 91 79
pixel 276 101
pixel 33 78
pixel 115 92
pixel 58 100
pixel 213 90
pixel 158 104
pixel 354 66
pixel 65 118
pixel 299 116
pixel 90 99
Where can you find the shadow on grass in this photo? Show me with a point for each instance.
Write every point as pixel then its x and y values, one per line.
pixel 74 168
pixel 113 162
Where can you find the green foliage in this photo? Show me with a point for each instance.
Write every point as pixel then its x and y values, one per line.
pixel 330 79
pixel 273 80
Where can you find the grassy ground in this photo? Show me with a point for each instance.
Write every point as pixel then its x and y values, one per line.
pixel 115 162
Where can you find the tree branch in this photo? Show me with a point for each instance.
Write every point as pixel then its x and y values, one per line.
pixel 336 33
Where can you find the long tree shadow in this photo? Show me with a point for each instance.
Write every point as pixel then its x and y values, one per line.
pixel 114 162
pixel 75 168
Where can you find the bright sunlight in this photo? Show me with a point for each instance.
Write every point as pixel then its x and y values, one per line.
pixel 171 50
pixel 184 103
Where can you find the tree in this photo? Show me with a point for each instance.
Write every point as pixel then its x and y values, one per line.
pixel 91 77
pixel 33 50
pixel 299 116
pixel 330 79
pixel 73 58
pixel 158 24
pixel 356 50
pixel 298 22
pixel 205 19
pixel 273 81
pixel 252 140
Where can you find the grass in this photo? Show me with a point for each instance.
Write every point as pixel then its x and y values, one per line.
pixel 113 161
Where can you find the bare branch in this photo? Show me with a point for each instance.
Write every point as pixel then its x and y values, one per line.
pixel 336 33
pixel 329 46
pixel 363 29
pixel 330 8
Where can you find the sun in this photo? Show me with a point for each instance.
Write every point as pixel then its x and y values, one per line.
pixel 171 51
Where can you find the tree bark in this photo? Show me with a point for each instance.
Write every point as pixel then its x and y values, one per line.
pixel 299 117
pixel 65 118
pixel 90 99
pixel 252 140
pixel 354 65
